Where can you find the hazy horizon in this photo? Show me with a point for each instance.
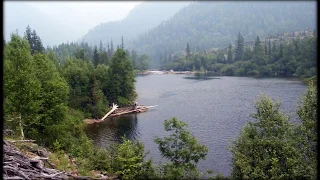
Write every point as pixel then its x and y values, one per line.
pixel 76 17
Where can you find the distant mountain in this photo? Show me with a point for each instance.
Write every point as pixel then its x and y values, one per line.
pixel 18 15
pixel 140 19
pixel 207 25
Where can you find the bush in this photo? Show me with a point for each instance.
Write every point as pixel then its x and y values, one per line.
pixel 266 149
pixel 182 149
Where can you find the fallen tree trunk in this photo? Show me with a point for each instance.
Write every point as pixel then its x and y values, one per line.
pixel 114 107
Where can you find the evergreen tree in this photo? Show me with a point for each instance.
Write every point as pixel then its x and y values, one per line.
pixel 36 43
pixel 281 50
pixel 274 47
pixel 229 57
pixel 239 51
pixel 122 44
pixel 188 50
pixel 100 47
pixel 28 36
pixel 258 53
pixel 265 48
pixel 104 59
pixel 109 52
pixel 247 54
pixel 121 79
pixel 269 49
pixel 111 49
pixel 96 58
pixel 134 59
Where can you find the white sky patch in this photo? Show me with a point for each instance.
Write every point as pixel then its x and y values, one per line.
pixel 85 14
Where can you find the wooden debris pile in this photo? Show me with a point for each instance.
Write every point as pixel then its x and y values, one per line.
pixel 18 166
pixel 120 111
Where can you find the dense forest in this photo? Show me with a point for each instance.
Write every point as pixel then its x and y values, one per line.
pixel 47 96
pixel 50 91
pixel 206 25
pixel 96 54
pixel 273 56
pixel 140 19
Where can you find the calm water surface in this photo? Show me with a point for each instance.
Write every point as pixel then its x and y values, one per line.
pixel 215 108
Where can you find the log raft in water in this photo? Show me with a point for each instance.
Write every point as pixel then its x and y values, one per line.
pixel 120 111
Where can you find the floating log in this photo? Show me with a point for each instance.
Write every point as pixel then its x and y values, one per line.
pixel 121 111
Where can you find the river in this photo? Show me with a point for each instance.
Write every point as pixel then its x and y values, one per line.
pixel 215 108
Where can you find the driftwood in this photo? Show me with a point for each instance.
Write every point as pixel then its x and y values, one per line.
pixel 120 111
pixel 14 141
pixel 114 107
pixel 18 166
pixel 129 110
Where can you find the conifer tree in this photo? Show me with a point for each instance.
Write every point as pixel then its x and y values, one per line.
pixel 121 79
pixel 28 36
pixel 111 48
pixel 269 49
pixel 229 57
pixel 100 47
pixel 188 50
pixel 122 43
pixel 239 51
pixel 96 58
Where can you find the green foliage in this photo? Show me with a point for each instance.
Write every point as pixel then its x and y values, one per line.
pixel 96 57
pixel 239 52
pixel 22 88
pixel 129 159
pixel 88 87
pixel 286 58
pixel 182 149
pixel 307 131
pixel 230 54
pixel 34 41
pixel 53 94
pixel 140 62
pixel 266 149
pixel 121 79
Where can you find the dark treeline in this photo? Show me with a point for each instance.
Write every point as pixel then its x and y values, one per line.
pixel 97 54
pixel 269 57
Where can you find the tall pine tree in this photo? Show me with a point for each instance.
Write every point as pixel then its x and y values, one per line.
pixel 239 51
pixel 229 57
pixel 96 58
pixel 188 50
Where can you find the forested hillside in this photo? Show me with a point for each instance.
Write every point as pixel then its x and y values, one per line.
pixel 206 25
pixel 140 19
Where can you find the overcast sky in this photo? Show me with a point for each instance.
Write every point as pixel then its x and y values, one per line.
pixel 84 13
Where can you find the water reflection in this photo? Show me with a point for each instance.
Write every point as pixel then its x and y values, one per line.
pixel 202 76
pixel 113 129
pixel 215 110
